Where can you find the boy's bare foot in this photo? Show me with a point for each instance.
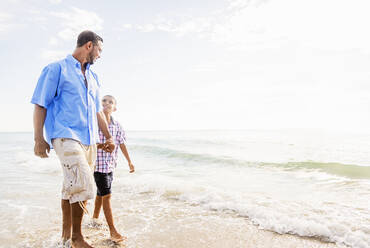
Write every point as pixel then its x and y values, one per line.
pixel 79 242
pixel 117 238
pixel 95 223
pixel 66 243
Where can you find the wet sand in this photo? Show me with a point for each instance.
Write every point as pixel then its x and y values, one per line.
pixel 151 221
pixel 182 226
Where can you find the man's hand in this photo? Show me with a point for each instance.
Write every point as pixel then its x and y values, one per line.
pixel 103 126
pixel 41 146
pixel 132 168
pixel 108 146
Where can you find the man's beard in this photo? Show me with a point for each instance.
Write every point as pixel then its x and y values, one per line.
pixel 90 58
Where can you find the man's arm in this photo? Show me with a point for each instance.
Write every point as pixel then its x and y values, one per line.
pixel 103 125
pixel 41 146
pixel 125 153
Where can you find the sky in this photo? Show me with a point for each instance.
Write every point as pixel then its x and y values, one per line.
pixel 200 64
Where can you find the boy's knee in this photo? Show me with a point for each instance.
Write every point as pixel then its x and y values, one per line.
pixel 106 197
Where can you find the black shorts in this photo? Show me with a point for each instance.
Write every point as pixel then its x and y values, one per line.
pixel 103 183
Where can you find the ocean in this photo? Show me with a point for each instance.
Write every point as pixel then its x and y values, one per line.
pixel 239 188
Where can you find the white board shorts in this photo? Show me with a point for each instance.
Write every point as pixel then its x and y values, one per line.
pixel 78 163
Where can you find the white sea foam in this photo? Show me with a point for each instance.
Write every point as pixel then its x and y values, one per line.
pixel 267 179
pixel 303 215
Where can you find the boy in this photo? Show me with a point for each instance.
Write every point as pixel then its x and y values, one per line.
pixel 105 165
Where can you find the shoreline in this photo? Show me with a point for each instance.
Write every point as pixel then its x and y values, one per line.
pixel 151 221
pixel 181 225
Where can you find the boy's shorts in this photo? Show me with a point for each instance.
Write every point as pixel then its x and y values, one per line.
pixel 103 183
pixel 78 165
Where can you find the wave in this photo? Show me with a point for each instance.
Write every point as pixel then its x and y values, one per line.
pixel 346 170
pixel 284 220
pixel 326 220
pixel 334 168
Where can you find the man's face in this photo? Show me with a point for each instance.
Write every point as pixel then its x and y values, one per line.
pixel 95 52
pixel 109 105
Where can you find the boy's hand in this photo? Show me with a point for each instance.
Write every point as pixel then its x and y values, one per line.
pixel 41 146
pixel 100 146
pixel 132 168
pixel 109 145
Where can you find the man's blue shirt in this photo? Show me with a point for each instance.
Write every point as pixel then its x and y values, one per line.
pixel 71 107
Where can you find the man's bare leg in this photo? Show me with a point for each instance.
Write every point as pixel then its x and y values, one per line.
pixel 77 238
pixel 98 204
pixel 115 236
pixel 67 220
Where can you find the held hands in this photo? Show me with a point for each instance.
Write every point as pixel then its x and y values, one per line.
pixel 108 146
pixel 41 146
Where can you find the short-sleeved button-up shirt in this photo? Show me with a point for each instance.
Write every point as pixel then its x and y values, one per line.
pixel 106 162
pixel 71 106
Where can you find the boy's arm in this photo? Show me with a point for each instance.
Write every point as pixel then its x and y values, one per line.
pixel 41 146
pixel 125 153
pixel 103 125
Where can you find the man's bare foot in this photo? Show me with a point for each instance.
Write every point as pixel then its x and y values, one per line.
pixel 79 242
pixel 117 238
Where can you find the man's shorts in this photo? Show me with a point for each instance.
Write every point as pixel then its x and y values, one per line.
pixel 103 183
pixel 78 165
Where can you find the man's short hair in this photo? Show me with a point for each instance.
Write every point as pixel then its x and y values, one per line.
pixel 87 36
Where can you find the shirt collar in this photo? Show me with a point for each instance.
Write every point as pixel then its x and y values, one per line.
pixel 112 121
pixel 77 63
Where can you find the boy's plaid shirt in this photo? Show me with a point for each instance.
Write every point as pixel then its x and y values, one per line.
pixel 106 162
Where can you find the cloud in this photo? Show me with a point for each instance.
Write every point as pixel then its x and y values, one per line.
pixel 5 21
pixel 249 24
pixel 55 1
pixel 204 26
pixel 77 20
pixel 240 4
pixel 53 41
pixel 177 27
pixel 73 22
pixel 53 55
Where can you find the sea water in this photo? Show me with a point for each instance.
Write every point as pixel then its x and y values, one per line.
pixel 307 183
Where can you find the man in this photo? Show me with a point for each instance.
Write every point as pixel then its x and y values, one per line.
pixel 67 104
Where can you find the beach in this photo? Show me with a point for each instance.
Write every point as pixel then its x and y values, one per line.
pixel 149 221
pixel 246 188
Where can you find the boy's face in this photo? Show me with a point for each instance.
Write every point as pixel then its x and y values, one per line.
pixel 109 104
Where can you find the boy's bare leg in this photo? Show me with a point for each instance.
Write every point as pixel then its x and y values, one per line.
pixel 115 236
pixel 67 220
pixel 77 238
pixel 98 204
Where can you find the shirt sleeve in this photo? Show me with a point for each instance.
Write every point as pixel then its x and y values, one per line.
pixel 121 135
pixel 97 98
pixel 47 85
pixel 97 101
